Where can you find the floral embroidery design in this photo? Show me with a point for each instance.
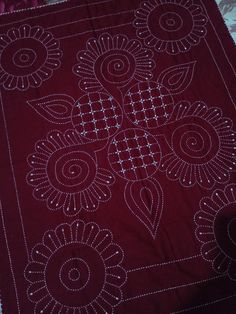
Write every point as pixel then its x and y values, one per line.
pixel 171 26
pixel 28 56
pixel 76 268
pixel 203 146
pixel 112 60
pixel 216 226
pixel 65 174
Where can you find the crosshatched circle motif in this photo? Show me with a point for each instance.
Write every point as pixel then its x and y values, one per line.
pixel 216 230
pixel 28 56
pixel 172 26
pixel 148 104
pixel 76 268
pixel 97 116
pixel 134 154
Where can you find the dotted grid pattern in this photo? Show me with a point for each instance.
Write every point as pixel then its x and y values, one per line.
pixel 148 104
pixel 97 116
pixel 134 154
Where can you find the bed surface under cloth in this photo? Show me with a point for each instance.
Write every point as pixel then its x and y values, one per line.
pixel 118 164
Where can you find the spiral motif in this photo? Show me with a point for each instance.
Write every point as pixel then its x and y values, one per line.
pixel 71 171
pixel 67 176
pixel 203 146
pixel 112 61
pixel 195 144
pixel 115 66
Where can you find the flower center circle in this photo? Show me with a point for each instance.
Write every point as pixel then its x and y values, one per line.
pixel 24 57
pixel 171 21
pixel 75 274
pixel 23 61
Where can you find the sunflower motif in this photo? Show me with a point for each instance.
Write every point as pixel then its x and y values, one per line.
pixel 66 175
pixel 112 60
pixel 76 269
pixel 28 56
pixel 216 230
pixel 203 146
pixel 171 26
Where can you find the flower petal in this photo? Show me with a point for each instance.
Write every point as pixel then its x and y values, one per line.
pixel 40 253
pixel 205 233
pixel 45 305
pixel 203 218
pixel 221 263
pixel 116 276
pixel 210 250
pixel 112 255
pixel 89 200
pixel 77 230
pixel 103 240
pixel 101 306
pixel 63 233
pixel 34 272
pixel 90 233
pixel 112 295
pixel 104 177
pixel 37 291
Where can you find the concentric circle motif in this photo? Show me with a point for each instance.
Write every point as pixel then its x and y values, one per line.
pixel 148 104
pixel 203 146
pixel 28 56
pixel 76 268
pixel 112 61
pixel 172 26
pixel 97 116
pixel 134 154
pixel 66 176
pixel 216 230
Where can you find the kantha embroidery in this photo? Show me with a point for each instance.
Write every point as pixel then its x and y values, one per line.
pixel 150 104
pixel 112 61
pixel 66 175
pixel 28 56
pixel 145 200
pixel 203 146
pixel 216 226
pixel 76 267
pixel 97 116
pixel 134 154
pixel 170 26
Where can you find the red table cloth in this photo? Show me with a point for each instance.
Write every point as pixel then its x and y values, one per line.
pixel 118 143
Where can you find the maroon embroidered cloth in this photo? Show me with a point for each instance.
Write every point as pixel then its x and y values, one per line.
pixel 117 159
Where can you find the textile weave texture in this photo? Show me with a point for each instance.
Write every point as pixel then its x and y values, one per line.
pixel 118 159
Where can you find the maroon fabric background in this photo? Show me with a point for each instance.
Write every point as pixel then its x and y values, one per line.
pixel 117 159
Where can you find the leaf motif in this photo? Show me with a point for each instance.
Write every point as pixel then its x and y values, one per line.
pixel 55 108
pixel 177 78
pixel 145 200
